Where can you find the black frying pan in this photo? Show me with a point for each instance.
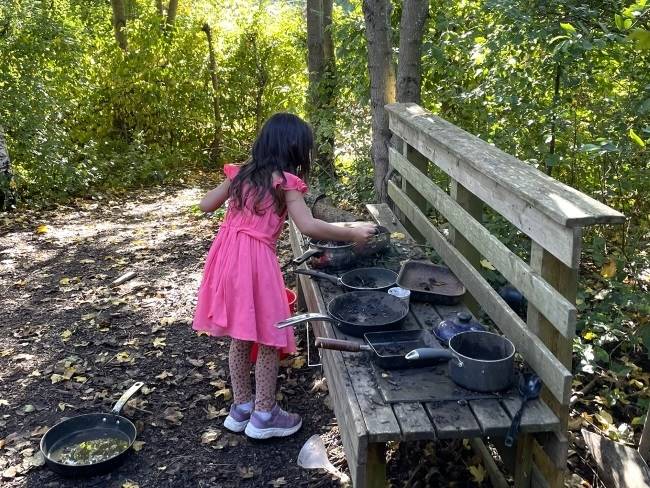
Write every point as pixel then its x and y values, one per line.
pixel 358 312
pixel 371 279
pixel 109 433
pixel 388 349
pixel 430 282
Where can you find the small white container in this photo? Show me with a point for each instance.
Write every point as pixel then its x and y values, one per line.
pixel 401 293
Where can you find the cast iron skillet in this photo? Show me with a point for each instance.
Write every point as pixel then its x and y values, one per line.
pixel 86 427
pixel 369 279
pixel 358 312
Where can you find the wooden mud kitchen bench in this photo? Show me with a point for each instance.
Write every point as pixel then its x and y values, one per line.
pixel 479 176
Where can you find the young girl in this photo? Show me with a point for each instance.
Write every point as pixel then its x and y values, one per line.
pixel 242 294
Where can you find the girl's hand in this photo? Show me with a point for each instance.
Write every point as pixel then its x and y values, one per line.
pixel 363 233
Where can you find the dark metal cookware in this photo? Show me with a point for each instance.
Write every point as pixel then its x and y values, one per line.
pixel 478 361
pixel 358 312
pixel 460 322
pixel 90 428
pixel 388 349
pixel 327 254
pixel 375 245
pixel 373 279
pixel 430 282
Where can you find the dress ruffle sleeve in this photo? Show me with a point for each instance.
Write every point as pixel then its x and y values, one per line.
pixel 231 171
pixel 292 182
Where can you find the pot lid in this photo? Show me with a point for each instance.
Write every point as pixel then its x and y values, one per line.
pixel 461 322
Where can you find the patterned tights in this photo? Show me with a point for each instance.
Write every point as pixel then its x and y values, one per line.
pixel 266 374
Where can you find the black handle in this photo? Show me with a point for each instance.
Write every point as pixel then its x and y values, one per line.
pixel 306 255
pixel 514 426
pixel 317 274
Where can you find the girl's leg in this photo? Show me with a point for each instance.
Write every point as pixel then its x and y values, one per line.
pixel 240 371
pixel 266 377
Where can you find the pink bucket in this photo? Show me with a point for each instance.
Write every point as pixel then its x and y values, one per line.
pixel 292 298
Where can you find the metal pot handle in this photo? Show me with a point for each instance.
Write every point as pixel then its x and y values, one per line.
pixel 429 353
pixel 117 408
pixel 318 274
pixel 306 255
pixel 340 345
pixel 305 317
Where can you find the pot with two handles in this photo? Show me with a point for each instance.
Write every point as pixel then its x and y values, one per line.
pixel 478 361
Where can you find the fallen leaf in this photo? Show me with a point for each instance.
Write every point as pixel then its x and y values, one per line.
pixel 65 335
pixel 609 269
pixel 35 460
pixel 42 229
pixel 196 362
pixel 64 281
pixel 173 415
pixel 246 472
pixel 225 393
pixel 167 321
pixel 4 403
pixel 138 445
pixel 213 413
pixel 130 484
pixel 478 473
pixel 164 375
pixel 210 435
pixel 278 482
pixel 123 357
pixel 487 265
pixel 320 384
pixel 298 362
pixel 10 472
pixel 29 408
pixel 159 342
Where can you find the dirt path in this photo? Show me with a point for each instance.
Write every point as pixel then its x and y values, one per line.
pixel 70 343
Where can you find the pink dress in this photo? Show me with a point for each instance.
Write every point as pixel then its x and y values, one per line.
pixel 242 294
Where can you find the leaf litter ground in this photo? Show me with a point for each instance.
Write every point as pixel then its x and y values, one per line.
pixel 71 342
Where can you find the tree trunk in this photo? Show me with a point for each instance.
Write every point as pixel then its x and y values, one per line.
pixel 322 81
pixel 159 7
pixel 411 30
pixel 119 23
pixel 7 194
pixel 215 147
pixel 382 85
pixel 171 12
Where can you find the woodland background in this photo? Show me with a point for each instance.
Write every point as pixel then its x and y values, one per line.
pixel 184 87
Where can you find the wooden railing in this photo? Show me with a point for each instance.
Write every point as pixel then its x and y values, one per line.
pixel 550 213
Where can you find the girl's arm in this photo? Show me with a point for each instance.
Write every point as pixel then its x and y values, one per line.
pixel 318 229
pixel 215 198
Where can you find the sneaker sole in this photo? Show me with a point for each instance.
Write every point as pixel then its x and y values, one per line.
pixel 233 426
pixel 255 433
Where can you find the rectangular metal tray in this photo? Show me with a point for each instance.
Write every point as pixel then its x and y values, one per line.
pixel 430 282
pixel 391 347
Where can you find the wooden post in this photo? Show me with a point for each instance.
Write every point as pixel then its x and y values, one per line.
pixel 421 163
pixel 376 465
pixel 524 461
pixel 644 443
pixel 565 280
pixel 474 206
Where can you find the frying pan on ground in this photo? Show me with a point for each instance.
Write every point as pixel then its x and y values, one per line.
pixel 90 444
pixel 358 312
pixel 370 279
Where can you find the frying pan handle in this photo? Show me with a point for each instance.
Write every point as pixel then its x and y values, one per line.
pixel 306 255
pixel 429 353
pixel 117 408
pixel 340 345
pixel 305 317
pixel 318 274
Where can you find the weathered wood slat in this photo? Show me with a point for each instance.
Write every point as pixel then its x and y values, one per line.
pixel 561 203
pixel 453 422
pixel 496 476
pixel 559 311
pixel 492 418
pixel 414 422
pixel 537 417
pixel 382 213
pixel 555 375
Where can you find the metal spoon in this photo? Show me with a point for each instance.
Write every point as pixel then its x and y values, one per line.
pixel 529 388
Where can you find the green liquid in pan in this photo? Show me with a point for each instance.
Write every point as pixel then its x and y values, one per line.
pixel 82 451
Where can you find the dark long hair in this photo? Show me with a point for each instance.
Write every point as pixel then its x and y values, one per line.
pixel 284 144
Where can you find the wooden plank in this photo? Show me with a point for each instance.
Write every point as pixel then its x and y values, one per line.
pixel 492 418
pixel 553 373
pixel 376 467
pixel 559 311
pixel 453 421
pixel 549 472
pixel 496 476
pixel 421 163
pixel 537 479
pixel 382 213
pixel 414 422
pixel 561 203
pixel 523 461
pixel 537 417
pixel 619 466
pixel 472 207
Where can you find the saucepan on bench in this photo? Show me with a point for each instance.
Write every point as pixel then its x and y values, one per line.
pixel 388 349
pixel 358 312
pixel 478 361
pixel 90 444
pixel 360 279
